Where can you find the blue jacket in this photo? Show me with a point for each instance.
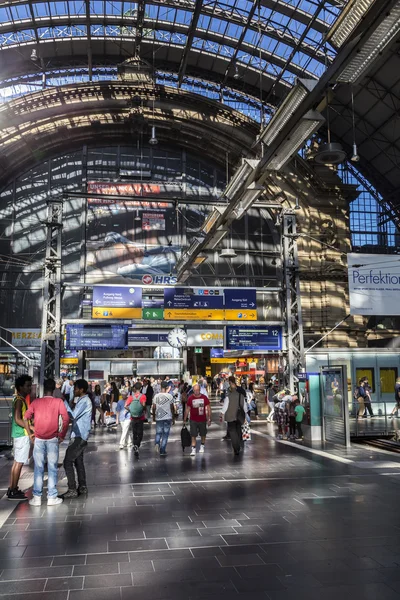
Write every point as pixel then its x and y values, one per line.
pixel 82 417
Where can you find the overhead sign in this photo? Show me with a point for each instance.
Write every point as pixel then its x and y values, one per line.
pixel 117 302
pixel 147 338
pixel 258 339
pixel 232 304
pixel 90 337
pixel 217 353
pixel 205 338
pixel 153 314
pixel 374 284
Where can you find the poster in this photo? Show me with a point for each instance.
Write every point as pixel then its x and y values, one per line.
pixel 374 284
pixel 120 250
pixel 153 221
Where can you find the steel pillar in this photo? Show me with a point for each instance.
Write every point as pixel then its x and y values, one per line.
pixel 292 302
pixel 51 318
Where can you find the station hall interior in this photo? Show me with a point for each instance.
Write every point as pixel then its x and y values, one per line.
pixel 199 315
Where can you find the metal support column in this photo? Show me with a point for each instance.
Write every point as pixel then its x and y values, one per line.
pixel 51 319
pixel 292 301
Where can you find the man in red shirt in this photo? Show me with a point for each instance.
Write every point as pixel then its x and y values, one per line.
pixel 199 408
pixel 47 436
pixel 137 407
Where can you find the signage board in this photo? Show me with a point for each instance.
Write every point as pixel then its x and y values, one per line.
pixel 22 338
pixel 258 339
pixel 91 337
pixel 153 314
pixel 117 302
pixel 146 338
pixel 217 353
pixel 205 338
pixel 232 304
pixel 374 284
pixel 198 350
pixel 193 315
pixel 153 303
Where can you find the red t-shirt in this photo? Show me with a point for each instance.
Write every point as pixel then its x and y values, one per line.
pixel 197 405
pixel 142 400
pixel 46 412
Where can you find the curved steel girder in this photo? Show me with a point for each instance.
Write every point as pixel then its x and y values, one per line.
pixel 23 58
pixel 40 124
pixel 212 68
pixel 278 6
pixel 131 21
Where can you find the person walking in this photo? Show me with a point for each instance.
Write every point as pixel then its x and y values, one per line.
pixel 367 399
pixel 198 409
pixel 164 417
pixel 98 404
pixel 20 437
pixel 235 398
pixel 124 418
pixel 148 391
pixel 47 436
pixel 137 404
pixel 81 414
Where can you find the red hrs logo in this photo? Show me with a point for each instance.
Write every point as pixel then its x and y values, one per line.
pixel 147 279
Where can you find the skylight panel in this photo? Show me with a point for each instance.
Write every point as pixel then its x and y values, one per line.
pixel 19 12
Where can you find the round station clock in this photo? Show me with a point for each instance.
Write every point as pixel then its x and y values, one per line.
pixel 177 338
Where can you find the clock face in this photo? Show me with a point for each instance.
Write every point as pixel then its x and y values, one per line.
pixel 177 338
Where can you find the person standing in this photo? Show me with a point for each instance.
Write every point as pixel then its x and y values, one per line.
pixel 46 413
pixel 124 417
pixel 57 391
pixel 98 404
pixel 235 398
pixel 163 416
pixel 148 391
pixel 20 437
pixel 137 404
pixel 396 399
pixel 81 414
pixel 198 409
pixel 299 412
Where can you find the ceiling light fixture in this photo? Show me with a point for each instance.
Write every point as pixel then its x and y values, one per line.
pixel 228 253
pixel 355 157
pixel 348 20
pixel 153 141
pixel 137 217
pixel 291 103
pixel 236 75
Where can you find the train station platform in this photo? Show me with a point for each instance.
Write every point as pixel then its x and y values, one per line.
pixel 280 522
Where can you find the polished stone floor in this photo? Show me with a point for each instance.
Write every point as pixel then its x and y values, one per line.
pixel 280 523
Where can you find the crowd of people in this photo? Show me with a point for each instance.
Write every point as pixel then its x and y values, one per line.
pixel 129 404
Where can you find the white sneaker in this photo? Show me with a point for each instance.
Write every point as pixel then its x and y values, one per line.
pixel 54 501
pixel 157 449
pixel 36 501
pixel 201 451
pixel 193 452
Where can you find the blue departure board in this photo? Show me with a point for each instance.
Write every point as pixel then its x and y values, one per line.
pixel 257 338
pixel 90 337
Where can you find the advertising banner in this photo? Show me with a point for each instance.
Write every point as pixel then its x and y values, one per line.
pixel 128 240
pixel 205 338
pixel 374 284
pixel 23 338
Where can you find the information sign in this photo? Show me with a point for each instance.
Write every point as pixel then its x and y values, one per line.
pixel 232 304
pixel 258 339
pixel 217 353
pixel 153 314
pixel 193 315
pixel 198 350
pixel 90 337
pixel 239 298
pixel 117 302
pixel 147 338
pixel 241 315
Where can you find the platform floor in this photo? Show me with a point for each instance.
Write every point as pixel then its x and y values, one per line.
pixel 280 522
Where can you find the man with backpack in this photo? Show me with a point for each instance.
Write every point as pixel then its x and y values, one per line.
pixel 137 408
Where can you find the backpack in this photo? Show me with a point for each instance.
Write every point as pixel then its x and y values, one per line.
pixel 136 408
pixel 356 393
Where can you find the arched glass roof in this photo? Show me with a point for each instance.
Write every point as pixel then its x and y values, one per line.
pixel 245 52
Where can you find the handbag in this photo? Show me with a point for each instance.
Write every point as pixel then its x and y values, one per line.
pixel 246 432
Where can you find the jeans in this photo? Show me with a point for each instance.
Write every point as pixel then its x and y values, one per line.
pixel 74 456
pixel 235 431
pixel 162 434
pixel 137 430
pixel 126 435
pixel 45 450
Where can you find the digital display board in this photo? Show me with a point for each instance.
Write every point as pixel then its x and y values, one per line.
pixel 90 337
pixel 258 339
pixel 217 353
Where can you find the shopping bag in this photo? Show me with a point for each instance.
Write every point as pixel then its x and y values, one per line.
pixel 186 439
pixel 246 432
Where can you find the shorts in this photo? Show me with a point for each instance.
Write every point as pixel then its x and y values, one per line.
pixel 21 449
pixel 198 428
